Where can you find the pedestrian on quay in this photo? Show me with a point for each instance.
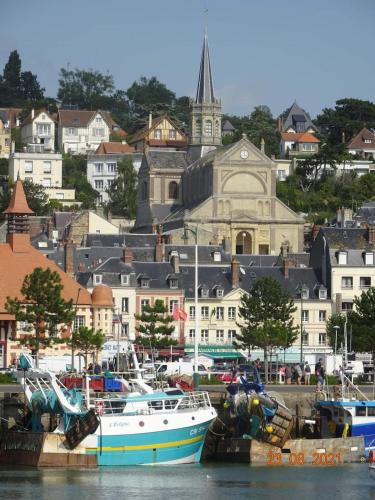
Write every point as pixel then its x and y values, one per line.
pixel 256 371
pixel 288 374
pixel 319 373
pixel 307 373
pixel 298 373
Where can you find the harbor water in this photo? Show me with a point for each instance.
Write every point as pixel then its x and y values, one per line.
pixel 208 482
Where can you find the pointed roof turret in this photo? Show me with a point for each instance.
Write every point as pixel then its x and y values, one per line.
pixel 18 203
pixel 205 90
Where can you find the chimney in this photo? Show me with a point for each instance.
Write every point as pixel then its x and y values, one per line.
pixel 127 255
pixel 159 249
pixel 338 303
pixel 69 258
pixel 285 268
pixel 150 120
pixel 13 147
pixel 235 273
pixel 262 145
pixel 33 114
pixel 315 231
pixel 371 235
pixel 175 262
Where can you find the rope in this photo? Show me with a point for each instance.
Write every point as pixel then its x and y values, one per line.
pixel 15 423
pixel 216 433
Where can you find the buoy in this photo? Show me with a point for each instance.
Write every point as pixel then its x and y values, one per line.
pixel 269 429
pixel 226 405
pixel 255 402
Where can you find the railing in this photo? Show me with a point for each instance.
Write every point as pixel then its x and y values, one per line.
pixel 347 384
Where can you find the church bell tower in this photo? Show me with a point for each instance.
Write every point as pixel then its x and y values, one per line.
pixel 205 123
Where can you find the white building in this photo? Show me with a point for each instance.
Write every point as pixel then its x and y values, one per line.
pixel 39 128
pixel 40 168
pixel 102 166
pixel 81 132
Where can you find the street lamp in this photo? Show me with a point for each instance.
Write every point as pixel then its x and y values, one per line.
pixel 303 290
pixel 336 327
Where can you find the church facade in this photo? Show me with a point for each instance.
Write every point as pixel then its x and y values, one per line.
pixel 219 193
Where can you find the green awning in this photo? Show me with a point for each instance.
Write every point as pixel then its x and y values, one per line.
pixel 215 352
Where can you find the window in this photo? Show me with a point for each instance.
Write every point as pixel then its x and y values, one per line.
pixel 217 257
pixel 172 303
pixel 192 312
pixel 364 282
pixel 98 132
pixel 204 292
pixel 172 135
pixel 125 304
pixel 145 282
pixel 281 174
pixel 219 292
pixel 360 411
pixel 369 258
pixel 173 190
pixel 173 283
pixel 208 128
pixel 322 315
pixel 368 141
pixel 157 133
pixel 347 306
pixel 43 129
pixel 342 258
pixel 98 168
pixel 231 335
pixel 46 182
pixel 24 325
pixel 347 282
pixel 144 303
pixel 305 338
pixel 125 330
pixel 112 168
pixel 305 316
pixel 78 322
pixel 204 312
pixel 322 339
pixel 371 411
pixel 304 292
pixel 110 183
pixel 98 120
pixel 191 334
pixel 231 313
pixel 204 336
pixel 308 147
pixel 219 335
pixel 72 131
pixel 300 126
pixel 198 127
pixel 322 293
pixel 99 184
pixel 220 313
pixel 28 167
pixel 97 279
pixel 47 167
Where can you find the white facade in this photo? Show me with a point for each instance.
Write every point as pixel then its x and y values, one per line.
pixel 80 138
pixel 40 130
pixel 102 171
pixel 40 168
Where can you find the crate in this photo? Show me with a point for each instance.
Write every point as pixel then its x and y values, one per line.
pixel 71 382
pixel 112 385
pixel 97 384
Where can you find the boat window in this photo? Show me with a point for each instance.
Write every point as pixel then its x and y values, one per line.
pixel 360 411
pixel 170 404
pixel 156 405
pixel 371 411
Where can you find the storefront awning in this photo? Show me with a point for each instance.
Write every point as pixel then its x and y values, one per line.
pixel 215 352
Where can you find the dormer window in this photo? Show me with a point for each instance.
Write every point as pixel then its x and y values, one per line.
pixel 217 256
pixel 98 279
pixel 173 283
pixel 322 293
pixel 204 292
pixel 304 292
pixel 368 141
pixel 219 292
pixel 342 257
pixel 369 258
pixel 125 279
pixel 145 282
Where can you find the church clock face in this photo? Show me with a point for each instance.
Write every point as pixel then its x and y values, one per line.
pixel 244 154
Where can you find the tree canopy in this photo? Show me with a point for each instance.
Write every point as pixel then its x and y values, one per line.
pixel 74 177
pixel 87 341
pixel 42 307
pixel 35 195
pixel 266 318
pixel 156 326
pixel 123 192
pixel 362 321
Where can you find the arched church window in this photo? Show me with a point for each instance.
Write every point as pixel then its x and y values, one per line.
pixel 198 127
pixel 208 127
pixel 144 190
pixel 173 190
pixel 217 131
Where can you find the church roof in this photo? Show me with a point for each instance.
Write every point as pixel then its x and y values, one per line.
pixel 18 203
pixel 297 114
pixel 205 90
pixel 167 159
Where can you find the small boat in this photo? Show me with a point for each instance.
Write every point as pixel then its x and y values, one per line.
pixel 143 427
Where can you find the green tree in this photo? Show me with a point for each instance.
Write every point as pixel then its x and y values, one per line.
pixel 123 192
pixel 35 195
pixel 12 74
pixel 88 89
pixel 42 307
pixel 335 320
pixel 15 135
pixel 74 177
pixel 262 125
pixel 266 318
pixel 87 341
pixel 362 321
pixel 4 165
pixel 155 326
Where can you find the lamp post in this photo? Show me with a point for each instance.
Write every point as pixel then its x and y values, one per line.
pixel 336 327
pixel 301 289
pixel 75 316
pixel 196 326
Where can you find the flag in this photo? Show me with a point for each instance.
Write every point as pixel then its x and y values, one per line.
pixel 176 314
pixel 182 315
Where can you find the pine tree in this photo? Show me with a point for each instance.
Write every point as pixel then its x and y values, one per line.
pixel 155 326
pixel 87 340
pixel 266 313
pixel 42 307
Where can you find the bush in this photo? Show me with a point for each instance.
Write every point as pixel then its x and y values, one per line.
pixel 6 378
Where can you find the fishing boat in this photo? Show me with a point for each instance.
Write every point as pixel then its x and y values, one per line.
pixel 142 427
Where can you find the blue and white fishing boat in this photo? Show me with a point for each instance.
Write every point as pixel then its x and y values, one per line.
pixel 143 427
pixel 347 412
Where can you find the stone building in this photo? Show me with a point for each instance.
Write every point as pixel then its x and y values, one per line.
pixel 226 192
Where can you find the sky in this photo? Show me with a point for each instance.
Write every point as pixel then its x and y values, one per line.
pixel 268 52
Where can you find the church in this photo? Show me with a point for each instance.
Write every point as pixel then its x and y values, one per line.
pixel 217 194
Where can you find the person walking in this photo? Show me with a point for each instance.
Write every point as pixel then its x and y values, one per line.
pixel 298 373
pixel 288 374
pixel 319 373
pixel 307 373
pixel 256 371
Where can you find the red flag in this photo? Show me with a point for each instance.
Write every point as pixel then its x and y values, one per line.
pixel 182 315
pixel 176 314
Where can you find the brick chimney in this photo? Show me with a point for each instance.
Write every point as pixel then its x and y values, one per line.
pixel 159 249
pixel 371 235
pixel 127 255
pixel 69 258
pixel 235 273
pixel 285 268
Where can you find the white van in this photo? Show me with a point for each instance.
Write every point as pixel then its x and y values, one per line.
pixel 178 367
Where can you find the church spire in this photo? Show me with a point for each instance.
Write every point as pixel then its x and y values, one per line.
pixel 205 90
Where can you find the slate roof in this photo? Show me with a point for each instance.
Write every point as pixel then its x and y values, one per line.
pixel 205 89
pixel 348 238
pixel 205 254
pixel 355 258
pixel 3 116
pixel 161 159
pixel 227 127
pixel 358 142
pixel 121 240
pixel 295 114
